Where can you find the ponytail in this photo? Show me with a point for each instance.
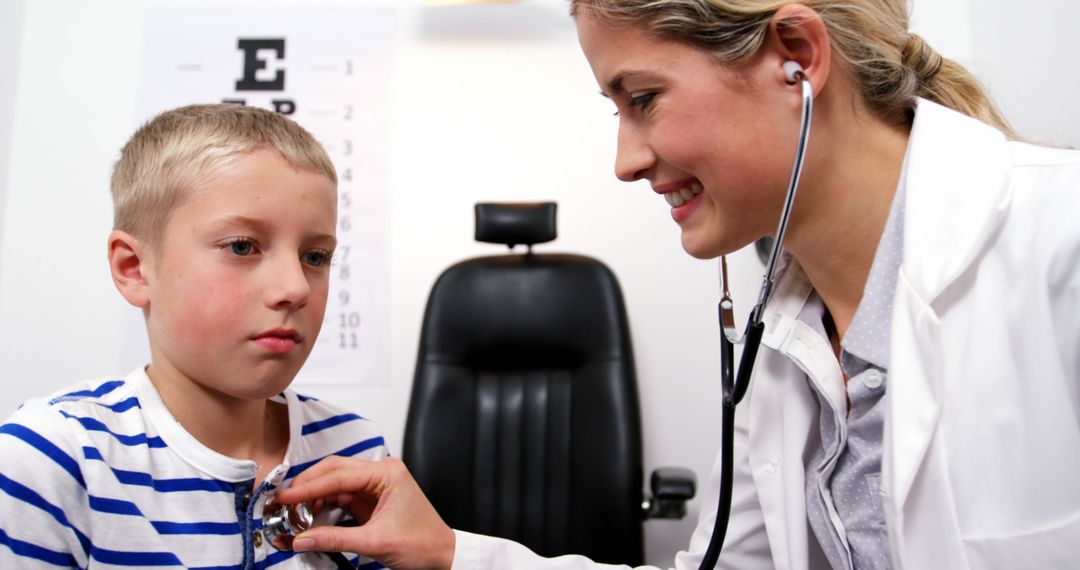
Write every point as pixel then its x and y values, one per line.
pixel 948 83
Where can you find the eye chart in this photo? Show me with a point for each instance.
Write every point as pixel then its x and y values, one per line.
pixel 330 69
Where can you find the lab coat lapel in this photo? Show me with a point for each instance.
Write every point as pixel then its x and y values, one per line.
pixel 956 200
pixel 782 413
pixel 913 398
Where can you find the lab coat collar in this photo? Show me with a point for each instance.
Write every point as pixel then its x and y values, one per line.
pixel 957 195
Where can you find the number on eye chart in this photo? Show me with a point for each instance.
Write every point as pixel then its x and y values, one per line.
pixel 350 320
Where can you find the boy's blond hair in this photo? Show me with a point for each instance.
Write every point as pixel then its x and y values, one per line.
pixel 176 151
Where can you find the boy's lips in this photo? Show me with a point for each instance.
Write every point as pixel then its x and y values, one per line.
pixel 278 340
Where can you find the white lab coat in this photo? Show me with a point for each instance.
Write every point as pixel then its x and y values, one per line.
pixel 981 463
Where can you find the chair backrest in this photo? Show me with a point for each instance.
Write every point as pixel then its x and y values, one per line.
pixel 524 420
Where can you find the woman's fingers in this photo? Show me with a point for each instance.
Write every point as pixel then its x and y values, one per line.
pixel 333 477
pixel 326 465
pixel 402 529
pixel 333 539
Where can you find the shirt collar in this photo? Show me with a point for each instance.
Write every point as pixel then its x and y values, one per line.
pixel 199 456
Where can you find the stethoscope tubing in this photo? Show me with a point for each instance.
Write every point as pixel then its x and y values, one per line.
pixel 734 384
pixel 789 200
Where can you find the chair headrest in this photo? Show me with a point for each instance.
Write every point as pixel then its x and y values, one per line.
pixel 514 224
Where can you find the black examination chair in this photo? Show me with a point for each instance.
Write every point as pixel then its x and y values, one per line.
pixel 524 419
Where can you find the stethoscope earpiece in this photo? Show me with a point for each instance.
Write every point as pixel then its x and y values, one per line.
pixel 792 71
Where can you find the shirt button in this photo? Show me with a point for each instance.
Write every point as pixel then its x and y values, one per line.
pixel 873 379
pixel 257 538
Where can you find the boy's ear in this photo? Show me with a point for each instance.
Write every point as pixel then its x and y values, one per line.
pixel 130 265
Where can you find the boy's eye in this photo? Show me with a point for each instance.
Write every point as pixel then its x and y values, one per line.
pixel 316 258
pixel 241 246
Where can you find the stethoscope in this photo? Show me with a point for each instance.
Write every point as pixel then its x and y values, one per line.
pixel 282 522
pixel 735 385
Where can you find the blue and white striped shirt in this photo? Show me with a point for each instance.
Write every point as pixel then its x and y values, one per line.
pixel 102 476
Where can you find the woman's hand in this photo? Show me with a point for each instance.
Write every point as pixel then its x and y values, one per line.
pixel 399 527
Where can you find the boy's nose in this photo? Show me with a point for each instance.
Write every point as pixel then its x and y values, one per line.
pixel 288 285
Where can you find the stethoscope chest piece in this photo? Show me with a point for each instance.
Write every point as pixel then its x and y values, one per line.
pixel 282 522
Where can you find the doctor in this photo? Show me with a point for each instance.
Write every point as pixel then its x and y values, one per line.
pixel 916 402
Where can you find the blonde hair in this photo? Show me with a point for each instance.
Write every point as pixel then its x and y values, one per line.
pixel 169 156
pixel 891 66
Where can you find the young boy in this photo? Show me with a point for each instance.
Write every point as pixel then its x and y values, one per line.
pixel 225 222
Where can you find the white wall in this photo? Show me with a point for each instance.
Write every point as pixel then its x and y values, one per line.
pixel 11 18
pixel 1027 59
pixel 493 103
pixel 1024 57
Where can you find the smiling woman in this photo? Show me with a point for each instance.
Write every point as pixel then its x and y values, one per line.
pixel 915 214
pixel 672 99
